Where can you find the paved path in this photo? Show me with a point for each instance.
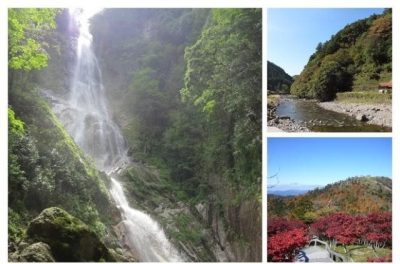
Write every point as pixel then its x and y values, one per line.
pixel 319 251
pixel 317 254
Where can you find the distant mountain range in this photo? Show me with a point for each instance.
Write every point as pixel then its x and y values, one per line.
pixel 287 192
pixel 291 189
pixel 356 195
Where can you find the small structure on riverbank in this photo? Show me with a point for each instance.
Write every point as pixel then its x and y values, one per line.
pixel 385 87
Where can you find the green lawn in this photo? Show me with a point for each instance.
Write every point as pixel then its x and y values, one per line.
pixel 273 100
pixel 364 98
pixel 360 254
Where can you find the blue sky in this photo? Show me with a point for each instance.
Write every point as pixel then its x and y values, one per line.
pixel 313 162
pixel 294 33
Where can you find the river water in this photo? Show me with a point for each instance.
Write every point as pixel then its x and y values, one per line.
pixel 308 113
pixel 86 117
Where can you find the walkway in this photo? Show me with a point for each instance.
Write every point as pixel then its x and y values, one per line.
pixel 319 251
pixel 317 254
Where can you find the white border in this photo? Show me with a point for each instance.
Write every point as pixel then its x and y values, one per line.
pixel 395 4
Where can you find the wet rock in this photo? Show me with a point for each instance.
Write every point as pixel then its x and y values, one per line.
pixel 201 208
pixel 68 237
pixel 362 117
pixel 37 252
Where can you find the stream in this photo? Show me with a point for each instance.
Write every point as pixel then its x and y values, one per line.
pixel 86 117
pixel 309 114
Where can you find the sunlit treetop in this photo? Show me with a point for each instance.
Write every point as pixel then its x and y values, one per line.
pixel 25 26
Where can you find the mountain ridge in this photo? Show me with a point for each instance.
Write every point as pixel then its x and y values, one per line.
pixel 356 58
pixel 355 195
pixel 278 80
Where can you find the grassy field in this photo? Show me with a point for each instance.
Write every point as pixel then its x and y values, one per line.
pixel 364 98
pixel 365 83
pixel 360 254
pixel 273 100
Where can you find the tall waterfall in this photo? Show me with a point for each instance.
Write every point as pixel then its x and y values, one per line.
pixel 86 118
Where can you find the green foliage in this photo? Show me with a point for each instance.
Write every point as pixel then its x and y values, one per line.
pixel 223 80
pixel 278 80
pixel 16 226
pixel 25 28
pixel 152 43
pixel 356 58
pixel 187 91
pixel 68 237
pixel 46 168
pixel 364 97
pixel 16 126
pixel 187 231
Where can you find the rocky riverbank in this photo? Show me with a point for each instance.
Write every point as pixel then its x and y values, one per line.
pixel 377 114
pixel 283 123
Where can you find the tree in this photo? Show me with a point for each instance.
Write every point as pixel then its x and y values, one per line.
pixel 279 225
pixel 374 229
pixel 284 246
pixel 223 81
pixel 26 27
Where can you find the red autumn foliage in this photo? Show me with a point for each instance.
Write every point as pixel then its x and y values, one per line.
pixel 285 238
pixel 283 246
pixel 373 228
pixel 278 225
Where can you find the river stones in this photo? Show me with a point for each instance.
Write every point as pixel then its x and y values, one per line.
pixel 362 118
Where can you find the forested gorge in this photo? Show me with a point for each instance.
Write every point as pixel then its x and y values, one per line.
pixel 184 86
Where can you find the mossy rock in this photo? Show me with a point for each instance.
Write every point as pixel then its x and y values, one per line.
pixel 37 252
pixel 69 238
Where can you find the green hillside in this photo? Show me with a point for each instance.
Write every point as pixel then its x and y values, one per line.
pixel 357 58
pixel 278 80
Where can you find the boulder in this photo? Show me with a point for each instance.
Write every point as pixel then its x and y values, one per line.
pixel 37 252
pixel 68 237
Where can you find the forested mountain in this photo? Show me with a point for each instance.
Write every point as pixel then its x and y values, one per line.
pixel 353 217
pixel 356 58
pixel 184 86
pixel 186 92
pixel 357 195
pixel 278 80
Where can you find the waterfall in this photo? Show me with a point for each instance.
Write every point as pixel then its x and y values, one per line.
pixel 85 116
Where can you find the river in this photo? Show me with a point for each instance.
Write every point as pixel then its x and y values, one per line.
pixel 309 114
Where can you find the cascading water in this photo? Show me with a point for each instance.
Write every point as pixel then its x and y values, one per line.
pixel 86 118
